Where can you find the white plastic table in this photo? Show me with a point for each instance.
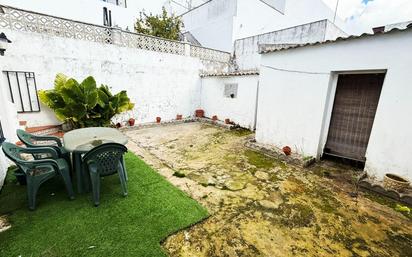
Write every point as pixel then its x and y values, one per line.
pixel 80 141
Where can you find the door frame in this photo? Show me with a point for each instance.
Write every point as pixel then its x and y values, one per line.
pixel 330 101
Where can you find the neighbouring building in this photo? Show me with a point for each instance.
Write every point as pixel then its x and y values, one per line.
pixel 111 13
pixel 348 98
pixel 219 23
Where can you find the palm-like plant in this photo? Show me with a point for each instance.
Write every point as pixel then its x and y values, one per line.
pixel 84 104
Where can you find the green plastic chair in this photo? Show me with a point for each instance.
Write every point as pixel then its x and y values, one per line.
pixel 33 141
pixel 39 170
pixel 105 160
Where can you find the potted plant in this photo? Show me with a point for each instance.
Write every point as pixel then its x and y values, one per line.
pixel 200 113
pixel 287 150
pixel 214 118
pixel 179 117
pixel 131 122
pixel 395 182
pixel 158 119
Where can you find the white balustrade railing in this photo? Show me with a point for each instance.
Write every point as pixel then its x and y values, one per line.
pixel 27 21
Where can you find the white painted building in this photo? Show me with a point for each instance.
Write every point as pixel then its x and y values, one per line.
pixel 322 99
pixel 116 13
pixel 246 50
pixel 218 23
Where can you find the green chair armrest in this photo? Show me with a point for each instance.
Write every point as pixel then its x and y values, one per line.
pixel 48 138
pixel 44 162
pixel 42 150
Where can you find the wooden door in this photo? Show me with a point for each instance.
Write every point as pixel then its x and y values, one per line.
pixel 353 114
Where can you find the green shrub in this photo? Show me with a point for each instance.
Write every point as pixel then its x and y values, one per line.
pixel 164 25
pixel 84 104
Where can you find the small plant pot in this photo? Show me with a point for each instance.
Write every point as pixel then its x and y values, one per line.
pixel 228 122
pixel 67 126
pixel 131 122
pixel 158 119
pixel 287 150
pixel 118 125
pixel 200 113
pixel 214 118
pixel 179 117
pixel 395 182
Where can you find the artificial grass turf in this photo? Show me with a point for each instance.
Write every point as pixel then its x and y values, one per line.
pixel 121 226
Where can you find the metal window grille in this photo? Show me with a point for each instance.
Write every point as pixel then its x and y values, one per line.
pixel 230 90
pixel 107 17
pixel 1 134
pixel 23 91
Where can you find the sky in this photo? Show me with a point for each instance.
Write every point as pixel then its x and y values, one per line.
pixel 362 15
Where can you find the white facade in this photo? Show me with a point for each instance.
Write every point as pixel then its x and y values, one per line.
pixel 297 88
pixel 160 84
pixel 9 122
pixel 241 109
pixel 218 23
pixel 246 50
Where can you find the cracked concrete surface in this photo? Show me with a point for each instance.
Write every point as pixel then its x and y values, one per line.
pixel 260 206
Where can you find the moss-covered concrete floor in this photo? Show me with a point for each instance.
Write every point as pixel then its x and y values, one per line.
pixel 263 207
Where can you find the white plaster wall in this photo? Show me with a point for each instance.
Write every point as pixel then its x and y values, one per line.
pixel 8 118
pixel 159 84
pixel 240 110
pixel 293 105
pixel 247 49
pixel 254 17
pixel 212 24
pixel 90 11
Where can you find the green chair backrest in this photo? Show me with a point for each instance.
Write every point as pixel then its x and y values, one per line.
pixel 13 152
pixel 26 138
pixel 106 157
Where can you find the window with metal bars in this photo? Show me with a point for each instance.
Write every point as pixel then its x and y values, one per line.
pixel 107 17
pixel 23 91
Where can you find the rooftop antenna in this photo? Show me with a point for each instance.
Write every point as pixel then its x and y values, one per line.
pixel 336 11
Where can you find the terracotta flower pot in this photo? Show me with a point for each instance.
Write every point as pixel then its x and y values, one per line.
pixel 214 118
pixel 395 182
pixel 158 119
pixel 287 150
pixel 179 117
pixel 227 121
pixel 200 113
pixel 131 122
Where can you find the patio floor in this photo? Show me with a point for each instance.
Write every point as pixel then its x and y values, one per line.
pixel 120 226
pixel 260 206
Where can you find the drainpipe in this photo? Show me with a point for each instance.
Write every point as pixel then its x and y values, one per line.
pixel 256 105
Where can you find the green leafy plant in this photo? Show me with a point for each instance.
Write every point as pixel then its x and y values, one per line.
pixel 84 104
pixel 164 25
